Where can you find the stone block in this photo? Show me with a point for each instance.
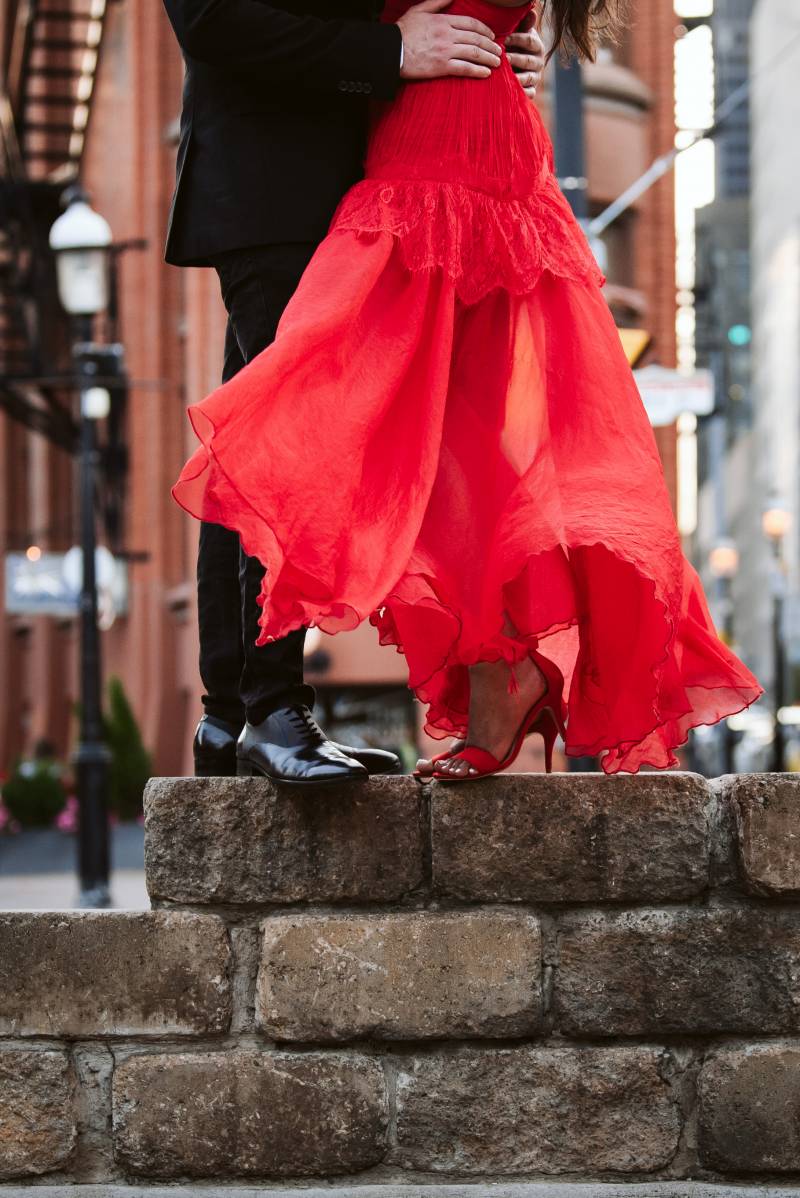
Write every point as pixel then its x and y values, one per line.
pixel 249 1113
pixel 749 1100
pixel 244 841
pixel 118 973
pixel 408 975
pixel 572 838
pixel 695 970
pixel 767 811
pixel 37 1116
pixel 541 1110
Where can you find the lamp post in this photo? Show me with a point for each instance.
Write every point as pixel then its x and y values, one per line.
pixel 80 239
pixel 723 561
pixel 775 523
pixel 569 147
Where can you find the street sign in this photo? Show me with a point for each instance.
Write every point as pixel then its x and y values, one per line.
pixel 50 584
pixel 635 342
pixel 666 394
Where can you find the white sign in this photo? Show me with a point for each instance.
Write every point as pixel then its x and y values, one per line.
pixel 51 584
pixel 666 394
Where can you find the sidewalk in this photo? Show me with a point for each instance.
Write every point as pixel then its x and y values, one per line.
pixel 38 870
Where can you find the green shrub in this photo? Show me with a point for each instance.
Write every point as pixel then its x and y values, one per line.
pixel 131 764
pixel 34 794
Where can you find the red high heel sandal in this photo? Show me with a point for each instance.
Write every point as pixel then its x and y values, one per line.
pixel 547 716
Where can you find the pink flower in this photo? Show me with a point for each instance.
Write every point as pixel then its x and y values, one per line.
pixel 67 820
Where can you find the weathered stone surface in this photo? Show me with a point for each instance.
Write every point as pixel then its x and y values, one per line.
pixel 572 838
pixel 767 810
pixel 696 970
pixel 750 1109
pixel 242 840
pixel 113 973
pixel 405 976
pixel 549 1110
pixel 245 1114
pixel 391 1189
pixel 37 1119
pixel 93 1159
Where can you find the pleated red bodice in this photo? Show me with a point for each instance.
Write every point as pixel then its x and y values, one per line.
pixel 460 171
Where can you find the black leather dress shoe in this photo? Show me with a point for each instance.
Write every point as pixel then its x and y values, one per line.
pixel 214 748
pixel 290 747
pixel 375 761
pixel 215 752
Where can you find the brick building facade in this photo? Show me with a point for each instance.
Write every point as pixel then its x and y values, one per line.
pixel 172 324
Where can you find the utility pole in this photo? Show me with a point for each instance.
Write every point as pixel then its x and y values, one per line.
pixel 569 142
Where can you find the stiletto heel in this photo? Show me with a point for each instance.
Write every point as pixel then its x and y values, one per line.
pixel 548 727
pixel 547 716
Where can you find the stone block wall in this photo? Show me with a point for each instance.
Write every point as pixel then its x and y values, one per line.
pixel 531 978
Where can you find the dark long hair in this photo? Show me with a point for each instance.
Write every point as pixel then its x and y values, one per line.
pixel 576 24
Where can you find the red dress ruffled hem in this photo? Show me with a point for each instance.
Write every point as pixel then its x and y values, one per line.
pixel 512 495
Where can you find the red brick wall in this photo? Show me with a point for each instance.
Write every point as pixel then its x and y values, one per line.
pixel 652 52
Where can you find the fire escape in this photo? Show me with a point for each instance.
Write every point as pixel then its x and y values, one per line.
pixel 47 76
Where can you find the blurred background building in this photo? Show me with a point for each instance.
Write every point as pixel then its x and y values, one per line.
pixel 775 239
pixel 748 331
pixel 92 90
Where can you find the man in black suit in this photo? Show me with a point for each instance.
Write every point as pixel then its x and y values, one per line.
pixel 272 135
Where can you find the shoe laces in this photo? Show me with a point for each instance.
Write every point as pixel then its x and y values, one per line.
pixel 303 721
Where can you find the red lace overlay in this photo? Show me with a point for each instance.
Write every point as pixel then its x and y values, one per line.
pixel 461 173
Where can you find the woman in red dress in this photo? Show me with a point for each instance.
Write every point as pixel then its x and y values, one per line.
pixel 446 439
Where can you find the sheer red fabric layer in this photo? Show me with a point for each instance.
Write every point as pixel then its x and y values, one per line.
pixel 446 432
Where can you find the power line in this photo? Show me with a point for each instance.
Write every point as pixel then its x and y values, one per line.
pixel 665 163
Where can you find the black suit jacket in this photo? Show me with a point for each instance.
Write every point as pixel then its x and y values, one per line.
pixel 273 118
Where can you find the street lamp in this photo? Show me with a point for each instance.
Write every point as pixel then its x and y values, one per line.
pixel 775 523
pixel 81 241
pixel 81 238
pixel 723 562
pixel 724 559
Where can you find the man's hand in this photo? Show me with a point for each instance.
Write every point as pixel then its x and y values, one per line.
pixel 526 55
pixel 435 44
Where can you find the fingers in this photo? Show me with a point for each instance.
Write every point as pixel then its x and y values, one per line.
pixel 527 42
pixel 477 54
pixel 525 64
pixel 473 26
pixel 440 45
pixel 467 70
pixel 465 37
pixel 528 79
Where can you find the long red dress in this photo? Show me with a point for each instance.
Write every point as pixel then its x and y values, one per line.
pixel 446 430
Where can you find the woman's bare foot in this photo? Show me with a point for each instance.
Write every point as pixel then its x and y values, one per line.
pixel 494 714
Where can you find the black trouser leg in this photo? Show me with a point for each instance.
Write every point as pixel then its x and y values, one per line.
pixel 240 678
